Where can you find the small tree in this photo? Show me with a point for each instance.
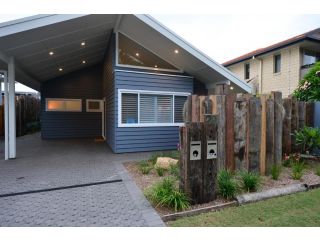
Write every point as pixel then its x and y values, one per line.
pixel 309 87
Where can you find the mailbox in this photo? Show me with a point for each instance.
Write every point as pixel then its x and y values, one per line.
pixel 195 150
pixel 211 149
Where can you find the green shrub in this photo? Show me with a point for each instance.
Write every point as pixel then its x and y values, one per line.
pixel 144 167
pixel 297 170
pixel 174 170
pixel 308 138
pixel 308 88
pixel 318 170
pixel 275 171
pixel 250 181
pixel 166 194
pixel 160 171
pixel 227 186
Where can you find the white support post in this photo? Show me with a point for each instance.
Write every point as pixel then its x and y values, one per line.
pixel 12 108
pixel 6 116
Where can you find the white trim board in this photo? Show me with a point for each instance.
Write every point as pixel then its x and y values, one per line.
pixel 151 73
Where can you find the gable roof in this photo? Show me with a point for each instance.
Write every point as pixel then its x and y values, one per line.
pixel 30 39
pixel 313 35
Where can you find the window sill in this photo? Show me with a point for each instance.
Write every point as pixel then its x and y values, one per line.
pixel 277 74
pixel 151 125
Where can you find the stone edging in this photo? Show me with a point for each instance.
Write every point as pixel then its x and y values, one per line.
pixel 174 216
pixel 244 199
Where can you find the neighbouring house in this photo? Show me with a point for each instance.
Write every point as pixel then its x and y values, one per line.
pixel 278 67
pixel 122 77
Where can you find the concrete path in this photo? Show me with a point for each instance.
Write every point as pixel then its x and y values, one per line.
pixel 43 165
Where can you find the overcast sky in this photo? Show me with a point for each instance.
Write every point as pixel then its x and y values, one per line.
pixel 223 37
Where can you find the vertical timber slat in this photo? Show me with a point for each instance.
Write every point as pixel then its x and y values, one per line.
pixel 195 109
pixel 230 99
pixel 269 135
pixel 286 135
pixel 202 108
pixel 209 165
pixel 254 130
pixel 302 114
pixel 263 134
pixel 240 130
pixel 221 105
pixel 278 123
pixel 310 114
pixel 195 176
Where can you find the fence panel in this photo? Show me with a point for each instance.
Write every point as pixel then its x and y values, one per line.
pixel 253 132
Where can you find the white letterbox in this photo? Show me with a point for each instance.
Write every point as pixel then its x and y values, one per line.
pixel 195 150
pixel 211 149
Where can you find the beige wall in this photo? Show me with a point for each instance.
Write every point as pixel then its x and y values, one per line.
pixel 285 81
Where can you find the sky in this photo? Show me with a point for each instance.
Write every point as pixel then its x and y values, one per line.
pixel 224 37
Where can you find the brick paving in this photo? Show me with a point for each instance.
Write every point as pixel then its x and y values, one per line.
pixel 49 164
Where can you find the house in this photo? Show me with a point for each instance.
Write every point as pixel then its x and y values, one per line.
pixel 279 66
pixel 122 77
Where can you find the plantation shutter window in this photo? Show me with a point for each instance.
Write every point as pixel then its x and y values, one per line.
pixel 144 108
pixel 129 108
pixel 164 109
pixel 147 108
pixel 155 109
pixel 179 102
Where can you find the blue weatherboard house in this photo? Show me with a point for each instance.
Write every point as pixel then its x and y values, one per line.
pixel 121 77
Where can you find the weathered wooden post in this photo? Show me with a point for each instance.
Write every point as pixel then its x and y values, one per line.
pixel 286 134
pixel 191 163
pixel 269 135
pixel 294 123
pixel 278 124
pixel 198 167
pixel 254 131
pixel 209 157
pixel 240 133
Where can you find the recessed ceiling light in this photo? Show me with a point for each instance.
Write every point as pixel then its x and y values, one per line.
pixel 83 44
pixel 60 69
pixel 83 61
pixel 137 54
pixel 156 66
pixel 176 51
pixel 231 88
pixel 51 53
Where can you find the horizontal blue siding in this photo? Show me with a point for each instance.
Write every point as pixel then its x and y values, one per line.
pixel 131 139
pixel 83 84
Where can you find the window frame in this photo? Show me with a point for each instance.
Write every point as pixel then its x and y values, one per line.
pixel 141 67
pixel 63 99
pixel 138 92
pixel 94 110
pixel 274 63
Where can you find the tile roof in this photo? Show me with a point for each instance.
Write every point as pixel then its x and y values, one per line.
pixel 259 51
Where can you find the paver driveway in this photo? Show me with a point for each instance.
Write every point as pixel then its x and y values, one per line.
pixel 43 165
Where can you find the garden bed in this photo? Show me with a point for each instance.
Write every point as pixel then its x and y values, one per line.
pixel 145 181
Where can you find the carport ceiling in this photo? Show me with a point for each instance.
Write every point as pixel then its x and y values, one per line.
pixel 30 41
pixel 32 48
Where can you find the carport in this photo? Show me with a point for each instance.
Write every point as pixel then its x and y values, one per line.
pixel 36 49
